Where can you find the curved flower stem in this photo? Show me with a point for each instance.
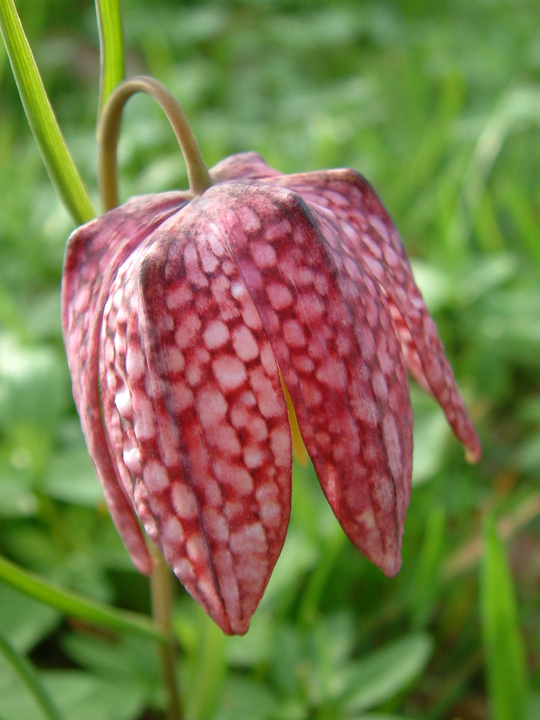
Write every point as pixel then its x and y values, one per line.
pixel 109 129
pixel 161 589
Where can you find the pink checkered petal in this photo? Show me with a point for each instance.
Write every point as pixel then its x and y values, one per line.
pixel 369 237
pixel 93 254
pixel 337 350
pixel 243 166
pixel 194 408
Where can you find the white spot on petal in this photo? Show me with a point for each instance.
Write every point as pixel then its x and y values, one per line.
pixel 379 385
pixel 179 397
pixel 135 364
pixel 365 411
pixel 250 316
pixel 132 460
pixel 155 477
pixel 216 525
pixel 280 439
pixel 249 219
pixel 293 334
pixel 120 344
pixel 187 331
pixel 244 343
pixel 183 502
pixel 179 297
pixel 270 513
pixel 195 549
pixel 279 295
pixel 211 407
pixel 271 404
pixel 249 539
pixel 229 372
pixel 168 442
pixel 122 401
pixel 209 261
pixel 393 446
pixel 254 457
pixel 263 254
pixel 82 299
pixel 144 425
pixel 216 334
pixel 332 373
pixel 212 492
pixel 238 290
pixel 235 476
pixel 173 360
pixel 224 438
pixel 266 493
pixel 184 571
pixel 172 533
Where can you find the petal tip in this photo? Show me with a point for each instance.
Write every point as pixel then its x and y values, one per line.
pixel 472 446
pixel 231 630
pixel 390 564
pixel 144 565
pixel 473 454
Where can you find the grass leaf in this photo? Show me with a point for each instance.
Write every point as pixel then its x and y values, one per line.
pixel 75 605
pixel 27 675
pixel 58 161
pixel 503 644
pixel 111 47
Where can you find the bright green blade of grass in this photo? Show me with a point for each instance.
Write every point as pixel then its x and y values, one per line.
pixel 207 670
pixel 111 47
pixel 503 644
pixel 26 673
pixel 522 212
pixel 428 569
pixel 41 118
pixel 76 605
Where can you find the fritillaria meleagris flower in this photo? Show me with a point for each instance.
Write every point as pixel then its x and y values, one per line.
pixel 183 314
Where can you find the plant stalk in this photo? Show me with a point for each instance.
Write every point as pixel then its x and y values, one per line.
pixel 111 48
pixel 109 130
pixel 162 592
pixel 41 118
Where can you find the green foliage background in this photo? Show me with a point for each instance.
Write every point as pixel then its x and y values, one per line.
pixel 438 104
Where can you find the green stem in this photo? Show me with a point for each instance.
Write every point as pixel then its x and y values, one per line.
pixel 111 48
pixel 41 118
pixel 75 605
pixel 28 676
pixel 109 130
pixel 162 592
pixel 207 670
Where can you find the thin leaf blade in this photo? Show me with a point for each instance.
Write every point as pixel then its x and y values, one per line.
pixel 47 134
pixel 26 673
pixel 111 47
pixel 503 643
pixel 76 605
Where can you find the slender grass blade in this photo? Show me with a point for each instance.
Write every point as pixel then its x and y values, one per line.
pixel 28 676
pixel 503 643
pixel 111 47
pixel 76 605
pixel 58 161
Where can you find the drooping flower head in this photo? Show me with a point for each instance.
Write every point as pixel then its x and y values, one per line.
pixel 183 317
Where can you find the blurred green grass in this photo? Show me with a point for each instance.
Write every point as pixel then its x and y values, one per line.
pixel 438 104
